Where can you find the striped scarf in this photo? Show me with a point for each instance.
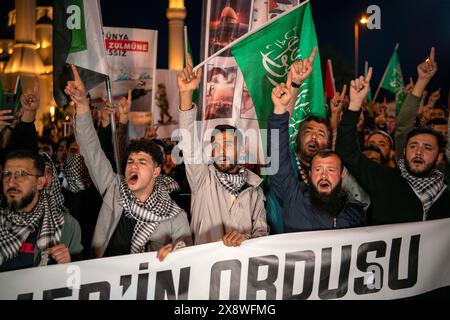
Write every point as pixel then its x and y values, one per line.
pixel 157 208
pixel 428 190
pixel 15 227
pixel 233 183
pixel 76 174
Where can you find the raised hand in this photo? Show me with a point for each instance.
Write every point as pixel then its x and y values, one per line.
pixel 5 116
pixel 427 69
pixel 77 92
pixel 409 88
pixel 358 91
pixel 302 69
pixel 30 99
pixel 30 103
pixel 124 108
pixel 187 82
pixel 338 101
pixel 281 98
pixel 434 97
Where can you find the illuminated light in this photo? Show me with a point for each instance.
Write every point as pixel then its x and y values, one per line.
pixel 38 45
pixel 363 20
pixel 67 118
pixel 10 51
pixel 1 50
pixel 52 111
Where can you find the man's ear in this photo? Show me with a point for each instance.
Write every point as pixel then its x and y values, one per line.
pixel 41 182
pixel 440 157
pixel 157 172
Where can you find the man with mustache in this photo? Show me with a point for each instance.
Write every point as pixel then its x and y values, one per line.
pixel 314 136
pixel 415 191
pixel 227 203
pixel 138 214
pixel 321 203
pixel 35 229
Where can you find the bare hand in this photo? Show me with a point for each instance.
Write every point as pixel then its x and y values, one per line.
pixel 187 79
pixel 30 100
pixel 302 69
pixel 434 97
pixel 164 251
pixel 358 90
pixel 409 88
pixel 281 98
pixel 60 253
pixel 427 69
pixel 338 101
pixel 5 116
pixel 233 239
pixel 77 92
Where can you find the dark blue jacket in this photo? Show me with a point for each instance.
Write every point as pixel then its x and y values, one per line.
pixel 294 195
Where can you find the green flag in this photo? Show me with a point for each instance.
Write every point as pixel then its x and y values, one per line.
pixel 264 58
pixel 393 81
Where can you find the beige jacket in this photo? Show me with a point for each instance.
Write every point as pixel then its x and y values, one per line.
pixel 214 211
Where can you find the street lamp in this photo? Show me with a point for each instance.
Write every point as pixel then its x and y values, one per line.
pixel 363 21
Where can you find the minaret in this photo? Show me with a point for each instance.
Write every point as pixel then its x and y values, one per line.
pixel 176 13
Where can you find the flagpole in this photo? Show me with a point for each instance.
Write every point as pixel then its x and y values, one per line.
pixel 247 35
pixel 384 76
pixel 113 127
pixel 186 51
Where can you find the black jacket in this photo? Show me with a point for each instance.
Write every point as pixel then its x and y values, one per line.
pixel 393 200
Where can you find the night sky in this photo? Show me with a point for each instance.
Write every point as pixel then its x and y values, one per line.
pixel 416 25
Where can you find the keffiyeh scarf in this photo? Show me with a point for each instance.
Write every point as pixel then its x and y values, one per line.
pixel 157 208
pixel 233 183
pixel 428 189
pixel 15 227
pixel 76 174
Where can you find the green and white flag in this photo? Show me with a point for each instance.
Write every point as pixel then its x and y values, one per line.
pixel 78 39
pixel 265 55
pixel 393 80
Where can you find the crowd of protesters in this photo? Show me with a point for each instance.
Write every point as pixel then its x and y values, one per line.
pixel 64 198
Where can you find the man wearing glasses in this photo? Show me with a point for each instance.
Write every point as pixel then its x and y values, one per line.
pixel 35 228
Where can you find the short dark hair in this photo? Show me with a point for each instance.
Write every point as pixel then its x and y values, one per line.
pixel 436 122
pixel 147 146
pixel 318 119
pixel 420 130
pixel 70 139
pixel 375 149
pixel 441 108
pixel 38 161
pixel 221 128
pixel 326 153
pixel 47 140
pixel 384 134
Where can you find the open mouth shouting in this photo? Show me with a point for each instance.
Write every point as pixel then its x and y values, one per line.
pixel 312 147
pixel 324 185
pixel 417 161
pixel 133 178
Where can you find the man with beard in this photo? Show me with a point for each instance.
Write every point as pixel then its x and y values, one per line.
pixel 137 214
pixel 35 229
pixel 227 203
pixel 415 191
pixel 321 203
pixel 314 136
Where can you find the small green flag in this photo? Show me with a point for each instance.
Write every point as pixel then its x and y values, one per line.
pixel 264 58
pixel 393 81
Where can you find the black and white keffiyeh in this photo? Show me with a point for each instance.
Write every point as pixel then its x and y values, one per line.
pixel 156 209
pixel 76 174
pixel 233 183
pixel 15 227
pixel 428 189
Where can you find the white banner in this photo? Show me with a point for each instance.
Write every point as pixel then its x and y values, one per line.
pixel 131 55
pixel 382 262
